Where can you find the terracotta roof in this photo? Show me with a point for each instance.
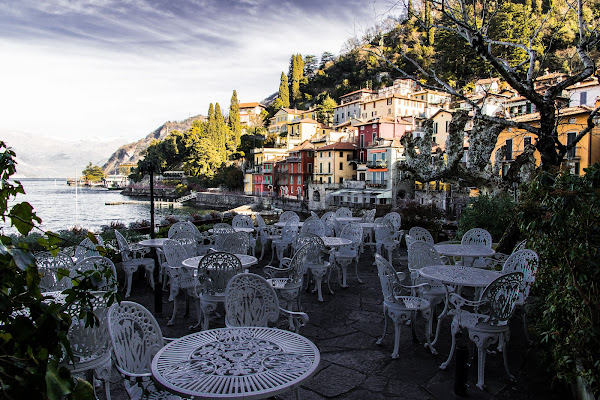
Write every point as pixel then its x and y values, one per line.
pixel 549 76
pixel 441 110
pixel 384 120
pixel 292 110
pixel 306 145
pixel 564 112
pixel 584 84
pixel 338 146
pixel 487 81
pixel 306 121
pixel 357 91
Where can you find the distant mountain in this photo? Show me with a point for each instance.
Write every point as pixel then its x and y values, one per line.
pixel 132 152
pixel 39 156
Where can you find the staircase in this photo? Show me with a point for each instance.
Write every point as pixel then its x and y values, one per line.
pixel 190 196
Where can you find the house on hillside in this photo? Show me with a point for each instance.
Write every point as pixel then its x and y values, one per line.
pixel 584 93
pixel 250 114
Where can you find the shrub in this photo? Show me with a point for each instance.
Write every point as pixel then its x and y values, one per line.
pixel 492 213
pixel 425 216
pixel 560 217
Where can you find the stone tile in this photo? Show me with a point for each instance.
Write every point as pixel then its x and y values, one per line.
pixel 362 394
pixel 303 394
pixel 375 383
pixel 365 361
pixel 352 341
pixel 335 380
pixel 408 390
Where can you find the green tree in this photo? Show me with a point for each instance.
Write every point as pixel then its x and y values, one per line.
pixel 93 173
pixel 234 120
pixel 325 109
pixel 284 91
pixel 296 75
pixel 310 65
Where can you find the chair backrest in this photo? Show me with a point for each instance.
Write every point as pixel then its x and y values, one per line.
pixel 218 268
pixel 501 297
pixel 220 231
pixel 525 261
pixel 260 221
pixel 290 230
pixel 184 227
pixel 520 246
pixel 188 240
pixel 354 233
pixel 369 215
pixel 287 215
pixel 422 254
pixel 89 342
pixel 388 277
pixel 48 266
pixel 313 225
pixel 250 301
pixel 175 253
pixel 394 219
pixel 135 335
pixel 477 237
pixel 123 246
pixel 296 266
pixel 236 243
pixel 328 220
pixel 418 233
pixel 343 212
pixel 316 250
pixel 384 230
pixel 314 214
pixel 86 249
pixel 101 264
pixel 242 221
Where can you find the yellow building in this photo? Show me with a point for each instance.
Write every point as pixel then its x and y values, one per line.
pixel 279 122
pixel 572 120
pixel 332 163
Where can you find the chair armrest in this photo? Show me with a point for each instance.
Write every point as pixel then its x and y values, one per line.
pixel 131 375
pixel 300 319
pixel 458 301
pixel 169 339
pixel 272 272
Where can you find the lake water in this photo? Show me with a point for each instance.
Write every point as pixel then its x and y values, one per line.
pixel 61 207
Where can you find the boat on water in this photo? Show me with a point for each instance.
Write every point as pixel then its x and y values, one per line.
pixel 115 182
pixel 83 183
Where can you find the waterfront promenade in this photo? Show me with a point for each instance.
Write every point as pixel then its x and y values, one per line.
pixel 345 327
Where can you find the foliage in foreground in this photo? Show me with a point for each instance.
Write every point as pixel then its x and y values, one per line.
pixel 34 333
pixel 493 213
pixel 560 217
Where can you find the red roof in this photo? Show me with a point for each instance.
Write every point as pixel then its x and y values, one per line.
pixel 338 146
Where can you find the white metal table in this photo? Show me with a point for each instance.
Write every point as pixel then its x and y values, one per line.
pixel 345 220
pixel 282 224
pixel 237 229
pixel 249 363
pixel 459 275
pixel 246 260
pixel 455 250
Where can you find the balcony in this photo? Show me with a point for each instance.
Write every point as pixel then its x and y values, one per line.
pixel 377 164
pixel 293 159
pixel 350 184
pixel 377 184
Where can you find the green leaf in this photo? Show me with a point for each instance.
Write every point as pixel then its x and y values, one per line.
pixel 22 216
pixel 83 391
pixel 57 386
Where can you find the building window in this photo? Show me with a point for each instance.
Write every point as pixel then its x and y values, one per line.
pixel 362 139
pixel 389 102
pixel 582 98
pixel 341 166
pixel 508 149
pixel 570 139
pixel 321 167
pixel 435 127
pixel 291 180
pixel 299 180
pixel 329 168
pixel 362 127
pixel 328 179
pixel 572 120
pixel 526 141
pixel 329 154
pixel 316 196
pixel 341 154
pixel 309 167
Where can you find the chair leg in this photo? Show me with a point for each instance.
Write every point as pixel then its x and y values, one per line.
pixel 129 282
pixel 396 321
pixel 524 316
pixel 428 314
pixel 481 355
pixel 385 322
pixel 150 276
pixel 172 320
pixel 502 347
pixel 356 270
pixel 453 330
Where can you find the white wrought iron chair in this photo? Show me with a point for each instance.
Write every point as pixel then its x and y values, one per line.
pixel 54 271
pixel 133 258
pixel 328 220
pixel 266 233
pixel 287 215
pixel 422 254
pixel 180 277
pixel 396 221
pixel 236 243
pixel 348 254
pixel 476 237
pixel 527 262
pixel 318 261
pixel 343 212
pixel 418 233
pixel 98 263
pixel 287 280
pixel 181 227
pixel 313 225
pixel 251 301
pixel 399 307
pixel 487 322
pixel 220 232
pixel 136 338
pixel 498 259
pixel 384 237
pixel 214 272
pixel 86 249
pixel 245 221
pixel 286 240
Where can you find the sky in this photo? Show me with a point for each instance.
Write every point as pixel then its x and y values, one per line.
pixel 112 69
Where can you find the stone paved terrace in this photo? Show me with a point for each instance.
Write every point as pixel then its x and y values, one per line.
pixel 345 327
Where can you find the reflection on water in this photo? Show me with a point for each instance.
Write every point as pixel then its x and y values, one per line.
pixel 61 207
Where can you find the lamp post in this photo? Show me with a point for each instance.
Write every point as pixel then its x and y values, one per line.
pixel 156 273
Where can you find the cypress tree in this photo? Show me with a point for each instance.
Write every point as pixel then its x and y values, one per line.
pixel 234 121
pixel 221 133
pixel 284 91
pixel 297 72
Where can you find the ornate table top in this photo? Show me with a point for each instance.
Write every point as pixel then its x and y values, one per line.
pixel 282 224
pixel 251 363
pixel 153 242
pixel 246 261
pixel 459 275
pixel 330 241
pixel 348 219
pixel 462 250
pixel 237 229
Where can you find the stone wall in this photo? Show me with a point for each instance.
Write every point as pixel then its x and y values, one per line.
pixel 221 201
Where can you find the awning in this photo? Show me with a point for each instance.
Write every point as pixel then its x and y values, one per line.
pixel 385 195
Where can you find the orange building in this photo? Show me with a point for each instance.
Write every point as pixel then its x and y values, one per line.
pixel 572 120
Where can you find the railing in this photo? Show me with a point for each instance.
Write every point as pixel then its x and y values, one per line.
pixel 377 184
pixel 352 184
pixel 190 196
pixel 377 164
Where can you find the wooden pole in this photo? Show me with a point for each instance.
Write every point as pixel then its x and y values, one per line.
pixel 157 286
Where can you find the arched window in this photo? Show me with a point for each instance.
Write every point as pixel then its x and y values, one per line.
pixel 316 196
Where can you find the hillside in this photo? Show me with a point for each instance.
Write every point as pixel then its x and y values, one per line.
pixel 132 152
